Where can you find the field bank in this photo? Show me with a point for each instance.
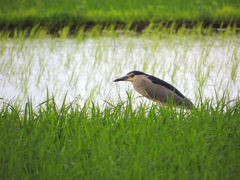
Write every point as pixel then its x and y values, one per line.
pixel 59 13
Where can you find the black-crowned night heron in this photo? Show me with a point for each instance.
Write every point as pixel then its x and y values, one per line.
pixel 156 89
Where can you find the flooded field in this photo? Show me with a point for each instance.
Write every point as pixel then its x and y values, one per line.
pixel 208 65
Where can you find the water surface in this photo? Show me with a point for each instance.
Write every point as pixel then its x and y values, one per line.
pixel 30 67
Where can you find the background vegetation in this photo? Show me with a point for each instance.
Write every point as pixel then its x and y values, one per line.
pixel 75 12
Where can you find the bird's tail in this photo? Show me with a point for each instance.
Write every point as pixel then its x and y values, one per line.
pixel 189 104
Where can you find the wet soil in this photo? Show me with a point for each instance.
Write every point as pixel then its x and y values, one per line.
pixel 118 26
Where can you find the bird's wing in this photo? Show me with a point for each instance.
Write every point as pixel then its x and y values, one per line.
pixel 161 93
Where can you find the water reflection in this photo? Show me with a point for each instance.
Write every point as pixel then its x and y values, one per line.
pixel 30 67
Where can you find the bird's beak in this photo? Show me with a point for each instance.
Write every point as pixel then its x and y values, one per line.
pixel 124 78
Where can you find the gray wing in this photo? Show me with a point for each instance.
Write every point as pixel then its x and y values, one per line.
pixel 161 93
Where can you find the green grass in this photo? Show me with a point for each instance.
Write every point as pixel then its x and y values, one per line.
pixel 75 12
pixel 117 141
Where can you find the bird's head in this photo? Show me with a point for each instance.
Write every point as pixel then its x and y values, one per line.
pixel 130 76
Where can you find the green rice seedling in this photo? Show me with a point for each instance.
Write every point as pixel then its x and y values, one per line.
pixel 41 32
pixel 22 34
pixel 4 34
pixel 127 28
pixel 233 29
pixel 172 29
pixel 175 69
pixel 80 34
pixel 234 68
pixel 15 33
pixel 53 43
pixel 148 30
pixel 41 71
pixel 145 64
pixel 64 33
pixel 33 31
pixel 3 47
pixel 68 62
pixel 198 28
pixel 94 32
pixel 72 75
pixel 182 31
pixel 110 30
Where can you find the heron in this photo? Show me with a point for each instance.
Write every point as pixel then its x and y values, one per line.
pixel 156 89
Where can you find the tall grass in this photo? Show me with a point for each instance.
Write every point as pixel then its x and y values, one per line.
pixel 117 141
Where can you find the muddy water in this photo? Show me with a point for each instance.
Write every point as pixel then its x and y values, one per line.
pixel 86 69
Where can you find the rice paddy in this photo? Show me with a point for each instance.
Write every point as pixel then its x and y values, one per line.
pixel 85 65
pixel 62 117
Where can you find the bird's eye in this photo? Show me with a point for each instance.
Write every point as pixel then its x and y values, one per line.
pixel 132 75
